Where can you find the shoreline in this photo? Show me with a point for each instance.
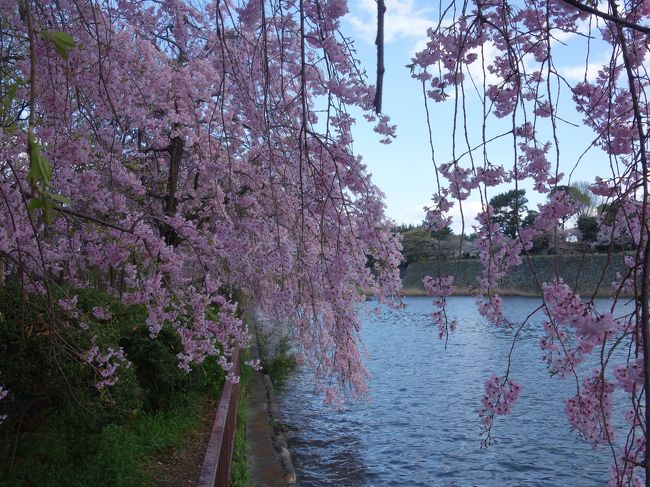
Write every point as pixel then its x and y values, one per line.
pixel 464 291
pixel 589 275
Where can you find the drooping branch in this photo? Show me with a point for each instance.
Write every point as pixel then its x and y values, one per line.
pixel 606 16
pixel 120 196
pixel 530 92
pixel 94 219
pixel 644 242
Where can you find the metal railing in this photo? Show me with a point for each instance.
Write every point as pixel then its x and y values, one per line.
pixel 218 455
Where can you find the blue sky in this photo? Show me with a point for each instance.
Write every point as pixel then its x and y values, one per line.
pixel 404 169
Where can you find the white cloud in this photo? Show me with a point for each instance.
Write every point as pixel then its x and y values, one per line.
pixel 470 210
pixel 403 20
pixel 475 70
pixel 576 72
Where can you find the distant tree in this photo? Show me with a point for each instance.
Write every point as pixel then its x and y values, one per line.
pixel 608 213
pixel 613 231
pixel 588 228
pixel 404 227
pixel 417 245
pixel 585 201
pixel 418 241
pixel 509 210
pixel 529 219
pixel 588 202
pixel 574 195
pixel 541 242
pixel 443 234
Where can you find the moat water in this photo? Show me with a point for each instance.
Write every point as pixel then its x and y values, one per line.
pixel 419 425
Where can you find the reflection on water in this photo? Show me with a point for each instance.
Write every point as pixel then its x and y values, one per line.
pixel 420 425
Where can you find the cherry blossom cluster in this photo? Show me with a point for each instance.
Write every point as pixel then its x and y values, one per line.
pixel 501 65
pixel 590 411
pixel 106 364
pixel 169 152
pixel 492 308
pixel 440 288
pixel 501 393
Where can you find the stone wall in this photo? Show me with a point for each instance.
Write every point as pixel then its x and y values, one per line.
pixel 589 273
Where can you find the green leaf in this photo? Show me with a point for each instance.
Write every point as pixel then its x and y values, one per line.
pixel 46 169
pixel 35 204
pixel 9 98
pixel 39 168
pixel 47 214
pixel 62 41
pixel 34 173
pixel 61 199
pixel 132 165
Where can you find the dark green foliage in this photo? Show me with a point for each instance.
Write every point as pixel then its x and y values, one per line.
pixel 529 219
pixel 156 364
pixel 279 363
pixel 542 243
pixel 62 430
pixel 404 227
pixel 509 210
pixel 45 371
pixel 417 245
pixel 442 234
pixel 588 227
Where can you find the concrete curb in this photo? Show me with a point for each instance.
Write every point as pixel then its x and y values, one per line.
pixel 279 440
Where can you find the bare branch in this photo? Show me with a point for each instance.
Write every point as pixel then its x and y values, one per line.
pixel 379 42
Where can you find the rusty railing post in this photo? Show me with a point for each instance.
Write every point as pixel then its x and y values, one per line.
pixel 218 455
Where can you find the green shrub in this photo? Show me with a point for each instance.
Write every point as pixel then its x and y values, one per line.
pixel 60 428
pixel 44 369
pixel 279 363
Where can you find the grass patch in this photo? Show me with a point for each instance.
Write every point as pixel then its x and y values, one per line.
pixel 239 472
pixel 114 456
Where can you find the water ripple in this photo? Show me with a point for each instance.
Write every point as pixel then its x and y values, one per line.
pixel 420 427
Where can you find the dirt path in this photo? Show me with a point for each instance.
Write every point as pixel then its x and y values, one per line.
pixel 181 467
